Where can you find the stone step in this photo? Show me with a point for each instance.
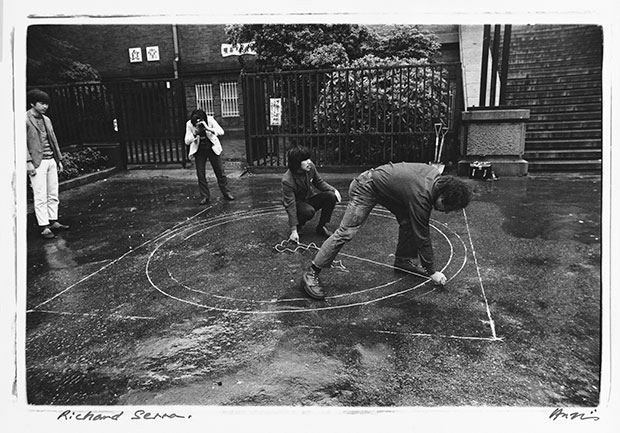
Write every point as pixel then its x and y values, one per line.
pixel 568 165
pixel 584 77
pixel 557 93
pixel 566 116
pixel 551 72
pixel 534 103
pixel 544 62
pixel 543 87
pixel 563 154
pixel 568 125
pixel 562 134
pixel 558 109
pixel 570 143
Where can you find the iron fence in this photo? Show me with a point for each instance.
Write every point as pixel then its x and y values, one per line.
pixel 352 116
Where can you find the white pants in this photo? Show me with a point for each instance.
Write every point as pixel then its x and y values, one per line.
pixel 45 191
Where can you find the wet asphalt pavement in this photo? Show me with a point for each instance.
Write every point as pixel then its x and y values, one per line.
pixel 150 299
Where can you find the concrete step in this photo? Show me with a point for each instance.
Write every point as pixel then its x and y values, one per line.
pixel 557 101
pixel 565 125
pixel 566 116
pixel 568 165
pixel 563 134
pixel 563 154
pixel 584 77
pixel 552 72
pixel 569 143
pixel 559 108
pixel 544 87
pixel 557 93
pixel 544 62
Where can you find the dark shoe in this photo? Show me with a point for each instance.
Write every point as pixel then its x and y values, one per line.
pixel 228 196
pixel 58 226
pixel 324 231
pixel 409 266
pixel 205 200
pixel 311 285
pixel 47 233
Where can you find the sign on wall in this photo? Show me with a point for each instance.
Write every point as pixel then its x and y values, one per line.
pixel 236 50
pixel 135 55
pixel 152 53
pixel 275 111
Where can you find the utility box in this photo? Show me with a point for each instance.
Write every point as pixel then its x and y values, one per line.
pixel 497 136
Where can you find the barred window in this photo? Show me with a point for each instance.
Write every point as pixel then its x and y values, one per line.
pixel 204 98
pixel 230 99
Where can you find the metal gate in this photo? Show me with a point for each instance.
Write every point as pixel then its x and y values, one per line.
pixel 146 117
pixel 352 116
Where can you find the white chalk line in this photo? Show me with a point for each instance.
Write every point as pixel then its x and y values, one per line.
pixel 413 334
pixel 225 220
pixel 491 323
pixel 156 238
pixel 99 315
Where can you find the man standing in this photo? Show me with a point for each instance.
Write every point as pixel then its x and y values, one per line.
pixel 43 162
pixel 410 191
pixel 299 199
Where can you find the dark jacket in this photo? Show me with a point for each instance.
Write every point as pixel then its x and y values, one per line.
pixel 408 189
pixel 33 139
pixel 297 187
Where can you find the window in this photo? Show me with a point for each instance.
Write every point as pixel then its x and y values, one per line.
pixel 204 97
pixel 230 99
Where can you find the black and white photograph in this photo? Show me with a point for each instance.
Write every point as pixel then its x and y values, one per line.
pixel 289 222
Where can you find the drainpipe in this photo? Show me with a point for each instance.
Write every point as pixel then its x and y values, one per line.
pixel 175 41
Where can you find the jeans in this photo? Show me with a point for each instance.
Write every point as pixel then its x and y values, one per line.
pixel 363 198
pixel 45 192
pixel 324 201
pixel 205 152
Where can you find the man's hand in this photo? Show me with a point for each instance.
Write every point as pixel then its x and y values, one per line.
pixel 438 278
pixel 60 167
pixel 294 237
pixel 338 196
pixel 30 169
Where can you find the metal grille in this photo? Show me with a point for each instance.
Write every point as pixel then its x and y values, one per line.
pixel 353 116
pixel 230 99
pixel 204 98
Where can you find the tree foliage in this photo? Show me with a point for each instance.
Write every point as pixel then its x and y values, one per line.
pixel 49 59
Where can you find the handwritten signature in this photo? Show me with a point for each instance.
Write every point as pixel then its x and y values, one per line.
pixel 581 416
pixel 137 415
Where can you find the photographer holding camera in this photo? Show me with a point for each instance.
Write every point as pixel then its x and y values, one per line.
pixel 201 135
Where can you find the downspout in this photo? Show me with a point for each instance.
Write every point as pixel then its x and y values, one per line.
pixel 175 41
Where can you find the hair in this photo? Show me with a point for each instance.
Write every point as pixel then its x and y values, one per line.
pixel 198 114
pixel 455 193
pixel 37 95
pixel 296 155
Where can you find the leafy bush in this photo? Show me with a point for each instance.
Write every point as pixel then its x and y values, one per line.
pixel 82 162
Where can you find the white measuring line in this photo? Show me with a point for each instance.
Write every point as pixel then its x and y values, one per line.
pixel 484 296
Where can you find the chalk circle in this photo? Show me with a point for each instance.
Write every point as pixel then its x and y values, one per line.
pixel 228 263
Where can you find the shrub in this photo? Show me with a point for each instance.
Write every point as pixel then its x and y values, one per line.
pixel 82 162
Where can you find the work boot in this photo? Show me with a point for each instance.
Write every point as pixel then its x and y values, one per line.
pixel 409 266
pixel 311 285
pixel 228 196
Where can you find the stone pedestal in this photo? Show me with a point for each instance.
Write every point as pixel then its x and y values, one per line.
pixel 496 136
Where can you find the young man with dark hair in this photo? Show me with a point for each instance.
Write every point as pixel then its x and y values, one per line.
pixel 43 162
pixel 201 135
pixel 299 199
pixel 410 191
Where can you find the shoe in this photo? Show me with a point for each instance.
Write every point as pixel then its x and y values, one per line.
pixel 409 266
pixel 311 285
pixel 205 200
pixel 58 226
pixel 47 233
pixel 228 196
pixel 324 231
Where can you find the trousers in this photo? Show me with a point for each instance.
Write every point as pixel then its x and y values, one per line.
pixel 363 197
pixel 325 201
pixel 45 192
pixel 203 154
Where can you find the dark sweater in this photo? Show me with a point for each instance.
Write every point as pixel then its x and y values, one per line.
pixel 407 189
